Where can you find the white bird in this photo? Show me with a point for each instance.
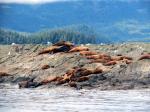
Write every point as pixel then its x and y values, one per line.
pixel 9 53
pixel 49 43
pixel 13 44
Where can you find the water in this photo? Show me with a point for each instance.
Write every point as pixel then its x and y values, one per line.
pixel 69 100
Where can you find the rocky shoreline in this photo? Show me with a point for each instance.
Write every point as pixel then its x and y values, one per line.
pixel 105 67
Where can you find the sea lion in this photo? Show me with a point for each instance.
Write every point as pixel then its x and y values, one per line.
pixel 98 61
pixel 63 48
pixel 64 43
pixel 85 72
pixel 49 79
pixel 110 63
pixel 108 58
pixel 79 48
pixel 48 49
pixel 55 49
pixel 99 56
pixel 119 58
pixel 87 53
pixel 146 56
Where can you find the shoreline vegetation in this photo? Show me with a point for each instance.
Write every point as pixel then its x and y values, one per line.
pixel 78 34
pixel 106 67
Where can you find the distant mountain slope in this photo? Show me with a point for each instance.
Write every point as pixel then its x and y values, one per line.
pixel 32 18
pixel 114 20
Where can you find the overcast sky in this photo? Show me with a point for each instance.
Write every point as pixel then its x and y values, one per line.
pixel 29 1
pixel 51 1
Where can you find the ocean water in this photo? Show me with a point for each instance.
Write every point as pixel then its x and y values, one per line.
pixel 70 100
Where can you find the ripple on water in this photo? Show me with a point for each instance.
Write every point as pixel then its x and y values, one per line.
pixel 66 100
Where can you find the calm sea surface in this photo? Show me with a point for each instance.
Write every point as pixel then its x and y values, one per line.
pixel 69 100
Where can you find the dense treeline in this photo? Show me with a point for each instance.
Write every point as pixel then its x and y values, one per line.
pixel 78 35
pixel 8 37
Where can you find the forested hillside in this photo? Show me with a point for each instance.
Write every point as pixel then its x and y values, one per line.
pixel 79 34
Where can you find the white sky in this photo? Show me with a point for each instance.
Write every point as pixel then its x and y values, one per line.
pixel 29 1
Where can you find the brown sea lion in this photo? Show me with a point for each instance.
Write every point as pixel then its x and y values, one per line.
pixel 119 58
pixel 63 48
pixel 79 48
pixel 108 58
pixel 98 61
pixel 49 79
pixel 85 72
pixel 87 53
pixel 110 63
pixel 48 49
pixel 64 43
pixel 104 55
pixel 97 56
pixel 55 49
pixel 146 56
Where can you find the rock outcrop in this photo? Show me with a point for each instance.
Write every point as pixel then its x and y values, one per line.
pixel 90 66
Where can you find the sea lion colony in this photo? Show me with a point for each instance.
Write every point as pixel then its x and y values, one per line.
pixel 79 74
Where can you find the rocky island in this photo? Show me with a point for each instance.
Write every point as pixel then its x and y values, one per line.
pixel 102 66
